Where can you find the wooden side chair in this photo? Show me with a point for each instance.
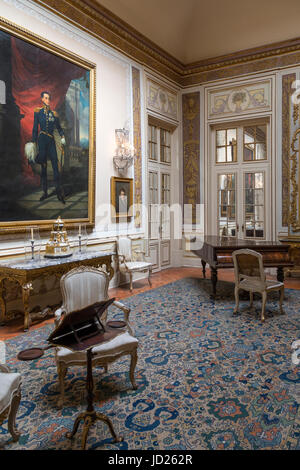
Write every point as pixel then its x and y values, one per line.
pixel 250 276
pixel 10 397
pixel 81 287
pixel 130 263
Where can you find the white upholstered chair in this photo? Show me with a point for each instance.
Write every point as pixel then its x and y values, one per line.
pixel 80 288
pixel 130 262
pixel 10 396
pixel 250 276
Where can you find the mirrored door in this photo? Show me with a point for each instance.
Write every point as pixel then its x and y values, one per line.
pixel 159 195
pixel 240 182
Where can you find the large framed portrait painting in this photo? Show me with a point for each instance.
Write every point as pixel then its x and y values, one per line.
pixel 47 132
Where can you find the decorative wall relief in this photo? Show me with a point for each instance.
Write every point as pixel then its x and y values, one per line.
pixel 137 143
pixel 191 150
pixel 240 99
pixel 287 91
pixel 161 100
pixel 294 175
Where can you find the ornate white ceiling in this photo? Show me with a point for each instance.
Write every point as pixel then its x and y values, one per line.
pixel 192 30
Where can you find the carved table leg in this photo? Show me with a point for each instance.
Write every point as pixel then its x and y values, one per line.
pixel 280 274
pixel 2 303
pixel 280 278
pixel 130 281
pixel 26 288
pixel 203 268
pixel 281 300
pixel 106 265
pixel 149 274
pixel 214 280
pixel 132 368
pixel 109 269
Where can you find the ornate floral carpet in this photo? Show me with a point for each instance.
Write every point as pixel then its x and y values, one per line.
pixel 206 379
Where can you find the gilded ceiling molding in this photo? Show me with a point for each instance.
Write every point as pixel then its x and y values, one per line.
pixel 287 91
pixel 137 142
pixel 191 151
pixel 246 68
pixel 246 55
pixel 103 24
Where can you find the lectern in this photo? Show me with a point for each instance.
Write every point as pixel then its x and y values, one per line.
pixel 82 330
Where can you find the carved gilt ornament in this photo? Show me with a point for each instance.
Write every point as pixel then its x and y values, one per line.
pixel 161 99
pixel 294 216
pixel 240 99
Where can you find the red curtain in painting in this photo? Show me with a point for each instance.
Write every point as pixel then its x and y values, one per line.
pixel 33 71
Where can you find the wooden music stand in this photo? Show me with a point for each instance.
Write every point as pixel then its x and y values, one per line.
pixel 81 331
pixel 91 415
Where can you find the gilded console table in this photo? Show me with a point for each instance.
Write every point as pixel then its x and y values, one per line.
pixel 24 272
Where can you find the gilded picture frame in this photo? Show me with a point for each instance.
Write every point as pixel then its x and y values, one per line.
pixel 121 197
pixel 48 163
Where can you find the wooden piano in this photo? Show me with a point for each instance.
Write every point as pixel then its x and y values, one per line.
pixel 217 252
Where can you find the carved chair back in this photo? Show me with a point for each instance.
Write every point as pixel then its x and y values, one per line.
pixel 124 248
pixel 248 264
pixel 83 286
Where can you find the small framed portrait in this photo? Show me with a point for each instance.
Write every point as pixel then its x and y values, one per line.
pixel 122 196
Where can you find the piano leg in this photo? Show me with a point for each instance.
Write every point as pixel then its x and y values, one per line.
pixel 203 267
pixel 280 274
pixel 214 280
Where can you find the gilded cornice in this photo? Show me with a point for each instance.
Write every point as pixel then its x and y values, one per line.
pixel 103 24
pixel 244 68
pixel 247 55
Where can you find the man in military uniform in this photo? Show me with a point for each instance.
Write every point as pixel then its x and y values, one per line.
pixel 45 121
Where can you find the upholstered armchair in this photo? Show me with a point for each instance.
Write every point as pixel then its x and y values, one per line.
pixel 80 288
pixel 250 276
pixel 10 396
pixel 132 262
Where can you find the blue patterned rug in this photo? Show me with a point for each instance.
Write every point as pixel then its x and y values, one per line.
pixel 206 379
